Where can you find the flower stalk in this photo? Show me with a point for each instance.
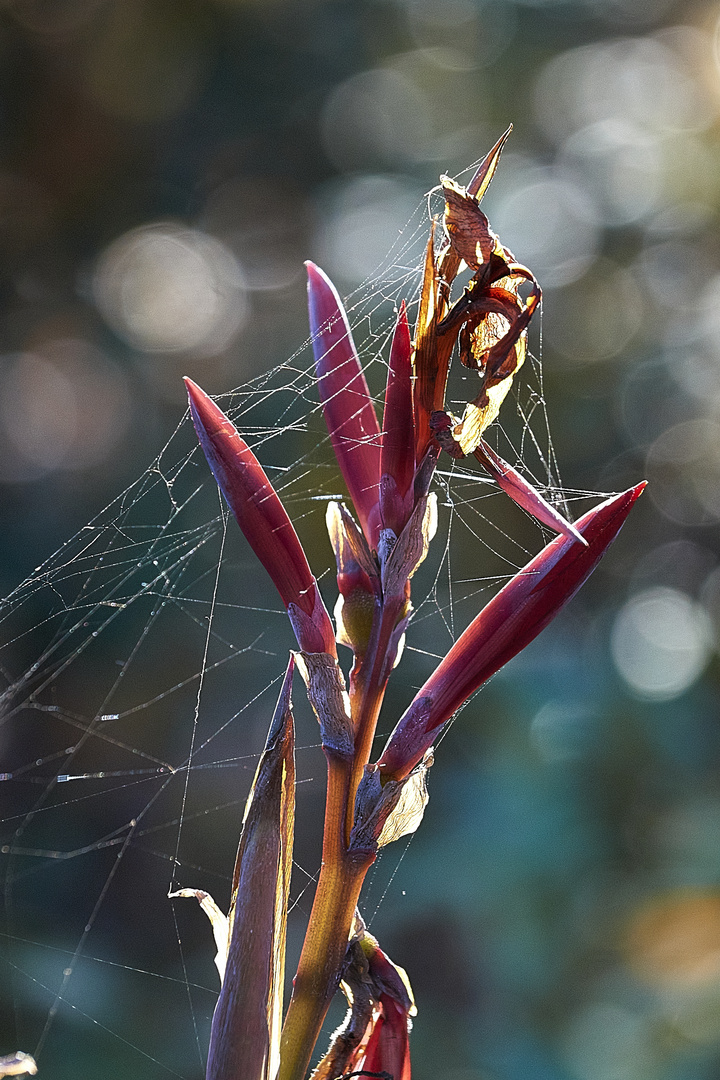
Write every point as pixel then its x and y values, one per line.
pixel 388 471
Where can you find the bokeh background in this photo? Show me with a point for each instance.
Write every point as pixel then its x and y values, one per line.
pixel 165 168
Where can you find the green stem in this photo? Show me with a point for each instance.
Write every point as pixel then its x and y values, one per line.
pixel 342 872
pixel 325 945
pixel 366 697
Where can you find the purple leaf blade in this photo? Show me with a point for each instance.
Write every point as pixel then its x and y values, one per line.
pixel 524 494
pixel 503 628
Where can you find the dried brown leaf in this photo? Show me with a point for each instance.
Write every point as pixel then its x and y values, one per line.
pixel 467 227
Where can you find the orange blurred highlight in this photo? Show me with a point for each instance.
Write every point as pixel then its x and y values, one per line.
pixel 674 940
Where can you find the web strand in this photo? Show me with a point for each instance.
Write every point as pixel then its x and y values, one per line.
pixel 139 666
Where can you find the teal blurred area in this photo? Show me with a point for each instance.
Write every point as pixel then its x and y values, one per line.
pixel 165 168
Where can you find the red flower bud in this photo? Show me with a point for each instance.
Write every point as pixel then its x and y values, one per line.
pixel 388 1048
pixel 263 520
pixel 397 461
pixel 349 411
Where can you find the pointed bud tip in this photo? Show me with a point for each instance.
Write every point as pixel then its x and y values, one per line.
pixel 207 415
pixel 196 394
pixel 193 390
pixel 601 524
pixel 622 503
pixel 327 315
pixel 317 278
pixel 626 499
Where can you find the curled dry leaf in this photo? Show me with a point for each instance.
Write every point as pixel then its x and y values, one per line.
pixel 219 922
pixel 467 226
pixel 384 813
pixel 490 317
pixel 448 260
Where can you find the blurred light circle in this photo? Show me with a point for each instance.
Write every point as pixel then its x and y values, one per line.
pixel 681 219
pixel 709 311
pixel 550 224
pixel 655 87
pixel 563 731
pixel 595 318
pixel 451 59
pixel 375 118
pixel 687 835
pixel 689 171
pixel 682 564
pixel 639 80
pixel 698 373
pixel 675 271
pixel 461 35
pixel 620 163
pixel 683 467
pixel 64 407
pixel 693 1010
pixel 661 641
pixel 365 219
pixel 649 404
pixel 710 596
pixel 166 288
pixel 39 411
pixel 556 90
pixel 674 940
pixel 270 245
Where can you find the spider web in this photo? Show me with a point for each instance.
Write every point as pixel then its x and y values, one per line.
pixel 139 667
